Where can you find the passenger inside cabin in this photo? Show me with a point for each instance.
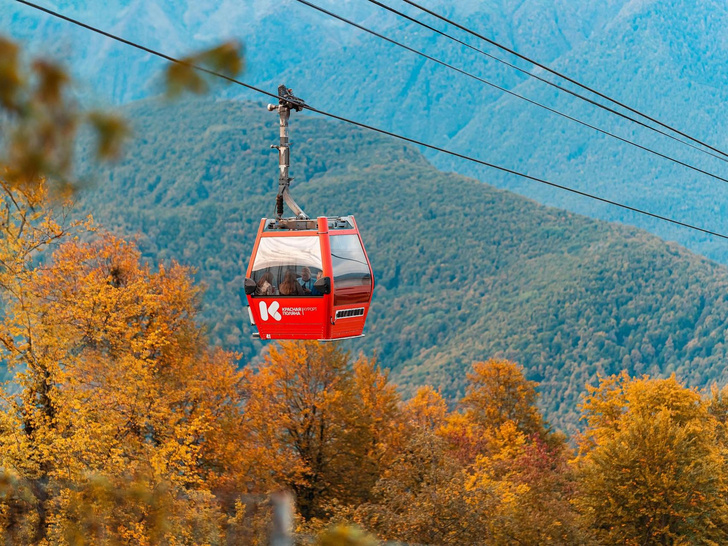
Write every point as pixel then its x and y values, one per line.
pixel 265 285
pixel 314 291
pixel 290 286
pixel 306 281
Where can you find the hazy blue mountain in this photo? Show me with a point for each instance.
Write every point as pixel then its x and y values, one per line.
pixel 667 58
pixel 464 271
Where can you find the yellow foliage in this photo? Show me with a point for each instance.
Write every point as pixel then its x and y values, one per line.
pixel 427 409
pixel 122 411
pixel 460 478
pixel 345 535
pixel 499 393
pixel 651 465
pixel 41 122
pixel 189 74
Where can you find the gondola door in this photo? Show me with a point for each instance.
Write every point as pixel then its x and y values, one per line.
pixel 291 296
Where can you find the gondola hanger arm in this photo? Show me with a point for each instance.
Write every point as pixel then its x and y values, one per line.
pixel 286 102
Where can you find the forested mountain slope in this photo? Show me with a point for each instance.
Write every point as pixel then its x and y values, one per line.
pixel 663 58
pixel 464 271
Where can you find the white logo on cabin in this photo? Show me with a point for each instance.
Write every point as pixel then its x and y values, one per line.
pixel 269 311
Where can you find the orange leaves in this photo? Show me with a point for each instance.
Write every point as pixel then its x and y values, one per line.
pixel 118 387
pixel 97 298
pixel 341 535
pixel 42 121
pixel 10 77
pixel 475 476
pixel 111 131
pixel 427 409
pixel 124 423
pixel 617 400
pixel 51 82
pixel 323 426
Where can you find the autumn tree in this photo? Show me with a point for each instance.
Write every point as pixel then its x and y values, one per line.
pixel 321 425
pixel 499 401
pixel 116 383
pixel 498 393
pixel 422 497
pixel 105 379
pixel 491 474
pixel 426 410
pixel 42 125
pixel 651 467
pixel 373 429
pixel 530 487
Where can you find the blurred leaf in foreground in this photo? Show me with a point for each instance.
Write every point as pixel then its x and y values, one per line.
pixel 42 122
pixel 225 59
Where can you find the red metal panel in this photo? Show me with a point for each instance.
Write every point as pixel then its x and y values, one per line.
pixel 350 326
pixel 353 326
pixel 323 226
pixel 286 317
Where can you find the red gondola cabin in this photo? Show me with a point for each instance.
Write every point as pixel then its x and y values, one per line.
pixel 309 279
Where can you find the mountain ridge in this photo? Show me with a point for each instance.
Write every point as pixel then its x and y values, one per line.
pixel 664 58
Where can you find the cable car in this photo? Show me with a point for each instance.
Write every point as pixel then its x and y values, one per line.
pixel 307 278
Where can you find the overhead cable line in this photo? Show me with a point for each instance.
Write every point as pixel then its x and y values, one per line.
pixel 519 96
pixel 544 80
pixel 563 76
pixel 375 129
